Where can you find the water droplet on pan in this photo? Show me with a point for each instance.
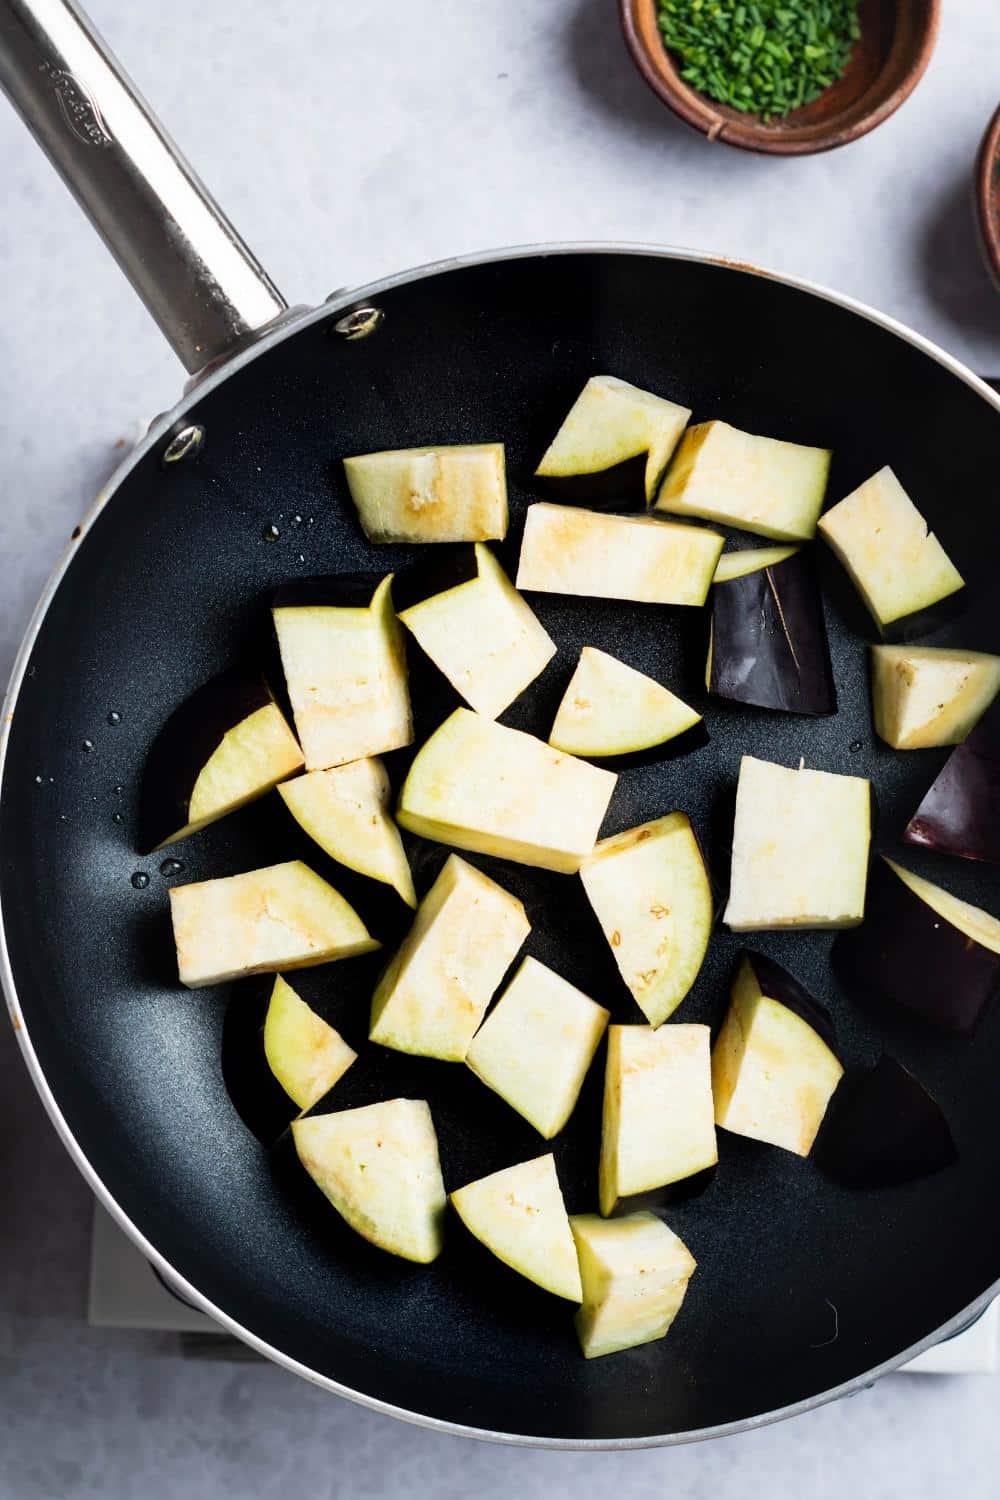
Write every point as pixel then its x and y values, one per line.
pixel 87 745
pixel 114 717
pixel 271 533
pixel 117 818
pixel 140 880
pixel 171 867
pixel 854 746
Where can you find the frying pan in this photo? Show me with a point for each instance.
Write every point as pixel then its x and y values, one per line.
pixel 805 1290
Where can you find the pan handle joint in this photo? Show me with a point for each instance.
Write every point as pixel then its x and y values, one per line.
pixel 206 290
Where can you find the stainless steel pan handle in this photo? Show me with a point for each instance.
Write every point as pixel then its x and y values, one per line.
pixel 201 283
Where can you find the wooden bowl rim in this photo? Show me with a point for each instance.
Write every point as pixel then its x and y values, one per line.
pixel 987 180
pixel 749 134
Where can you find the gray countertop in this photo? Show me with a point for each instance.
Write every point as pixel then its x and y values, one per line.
pixel 348 141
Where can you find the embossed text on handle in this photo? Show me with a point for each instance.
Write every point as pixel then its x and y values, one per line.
pixel 79 109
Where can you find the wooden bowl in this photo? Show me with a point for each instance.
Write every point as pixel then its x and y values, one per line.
pixel 897 39
pixel 988 196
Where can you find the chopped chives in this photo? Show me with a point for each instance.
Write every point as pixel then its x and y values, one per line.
pixel 765 58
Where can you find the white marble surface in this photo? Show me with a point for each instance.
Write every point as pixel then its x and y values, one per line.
pixel 347 141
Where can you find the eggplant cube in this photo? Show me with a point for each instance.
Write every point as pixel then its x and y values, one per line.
pixel 281 917
pixel 223 747
pixel 634 1274
pixel 478 785
pixel 930 695
pixel 768 642
pixel 756 483
pixel 659 1122
pixel 610 709
pixel 305 1053
pixel 345 669
pixel 800 848
pixel 435 991
pixel 650 892
pixel 483 636
pixel 455 493
pixel 535 1046
pixel 346 811
pixel 520 1215
pixel 614 445
pixel 922 949
pixel 960 812
pixel 379 1167
pixel 898 567
pixel 773 1072
pixel 570 551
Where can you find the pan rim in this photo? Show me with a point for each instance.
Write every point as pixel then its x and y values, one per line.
pixel 159 429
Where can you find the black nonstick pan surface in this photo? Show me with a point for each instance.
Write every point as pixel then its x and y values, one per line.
pixel 803 1287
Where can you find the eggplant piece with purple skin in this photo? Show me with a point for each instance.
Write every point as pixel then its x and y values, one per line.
pixel 278 1056
pixel 481 635
pixel 768 642
pixel 960 813
pixel 651 895
pixel 226 745
pixel 658 1139
pixel 734 478
pixel 883 1128
pixel 774 1062
pixel 777 984
pixel 614 715
pixel 344 661
pixel 613 446
pixel 896 563
pixel 922 949
pixel 620 487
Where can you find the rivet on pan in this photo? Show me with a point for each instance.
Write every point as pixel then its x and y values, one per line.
pixel 184 444
pixel 359 323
